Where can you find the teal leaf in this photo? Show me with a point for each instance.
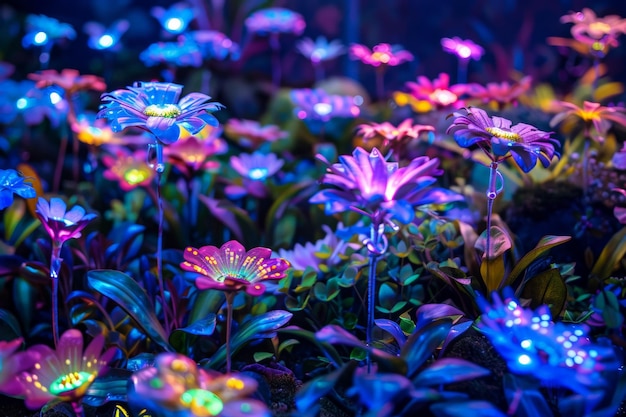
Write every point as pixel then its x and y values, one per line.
pixel 449 370
pixel 124 291
pixel 421 344
pixel 9 326
pixel 112 386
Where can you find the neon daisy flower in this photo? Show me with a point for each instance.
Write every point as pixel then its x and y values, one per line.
pixel 60 223
pixel 41 30
pixel 438 92
pixel 275 20
pixel 382 54
pixel 366 183
pixel 67 373
pixel 463 48
pixel 230 268
pixel 175 19
pixel 155 108
pixel 498 138
pixel 596 119
pixel 597 32
pixel 250 133
pixel 70 80
pixel 103 38
pixel 392 136
pixel 11 182
pixel 320 49
pixel 178 54
pixel 500 94
pixel 129 170
pixel 13 364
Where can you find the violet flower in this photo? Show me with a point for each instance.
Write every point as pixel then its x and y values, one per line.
pixel 155 107
pixel 318 105
pixel 499 94
pixel 275 20
pixel 257 166
pixel 61 224
pixel 12 182
pixel 13 364
pixel 67 373
pixel 212 44
pixel 321 49
pixel 464 49
pixel 597 32
pixel 250 133
pixel 382 54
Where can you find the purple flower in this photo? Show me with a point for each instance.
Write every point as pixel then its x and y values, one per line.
pixel 555 353
pixel 67 373
pixel 497 138
pixel 382 54
pixel 12 364
pixel 231 268
pixel 60 224
pixel 212 44
pixel 250 133
pixel 256 166
pixel 321 49
pixel 40 30
pixel 318 105
pixel 177 54
pixel 275 20
pixel 463 48
pixel 155 107
pixel 175 19
pixel 101 37
pixel 11 182
pixel 366 183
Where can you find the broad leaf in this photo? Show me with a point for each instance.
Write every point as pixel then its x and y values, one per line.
pixel 421 345
pixel 613 252
pixel 449 370
pixel 531 403
pixel 307 398
pixel 545 244
pixel 547 288
pixel 392 328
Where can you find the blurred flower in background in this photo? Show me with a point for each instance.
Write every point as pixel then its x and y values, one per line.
pixel 105 38
pixel 275 20
pixel 175 19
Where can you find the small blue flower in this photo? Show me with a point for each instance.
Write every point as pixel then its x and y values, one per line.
pixel 172 53
pixel 212 44
pixel 175 19
pixel 101 37
pixel 40 30
pixel 32 103
pixel 11 182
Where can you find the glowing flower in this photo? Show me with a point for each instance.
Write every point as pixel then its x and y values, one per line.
pixel 13 364
pixel 321 49
pixel 103 38
pixel 500 94
pixel 318 105
pixel 392 136
pixel 130 170
pixel 497 138
pixel 32 103
pixel 40 30
pixel 175 19
pixel 366 183
pixel 438 92
pixel 596 119
pixel 462 48
pixel 212 44
pixel 597 32
pixel 175 385
pixel 275 20
pixel 250 133
pixel 192 154
pixel 256 166
pixel 177 54
pixel 60 224
pixel 11 182
pixel 231 268
pixel 555 353
pixel 69 80
pixel 382 54
pixel 67 373
pixel 155 107
pixel 97 132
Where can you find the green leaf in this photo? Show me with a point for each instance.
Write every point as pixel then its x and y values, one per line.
pixel 205 303
pixel 548 288
pixel 285 230
pixel 545 244
pixel 493 268
pixel 387 295
pixel 329 351
pixel 449 370
pixel 613 252
pixel 261 356
pixel 124 291
pixel 204 327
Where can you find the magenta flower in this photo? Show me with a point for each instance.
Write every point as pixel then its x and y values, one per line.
pixel 70 80
pixel 321 49
pixel 394 137
pixel 60 224
pixel 438 92
pixel 275 20
pixel 596 119
pixel 498 138
pixel 382 54
pixel 12 364
pixel 67 373
pixel 463 48
pixel 500 94
pixel 230 268
pixel 155 107
pixel 193 154
pixel 251 134
pixel 318 105
pixel 366 183
pixel 596 32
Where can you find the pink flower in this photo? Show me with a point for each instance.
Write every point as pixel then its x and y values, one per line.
pixel 130 170
pixel 12 364
pixel 67 373
pixel 382 54
pixel 597 32
pixel 462 48
pixel 500 93
pixel 69 80
pixel 596 119
pixel 60 224
pixel 193 153
pixel 395 137
pixel 438 92
pixel 251 134
pixel 231 268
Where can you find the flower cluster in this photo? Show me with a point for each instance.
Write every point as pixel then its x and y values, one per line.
pixel 598 33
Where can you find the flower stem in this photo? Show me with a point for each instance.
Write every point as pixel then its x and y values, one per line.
pixel 374 253
pixel 60 159
pixel 78 409
pixel 380 84
pixel 461 76
pixel 55 267
pixel 492 193
pixel 229 323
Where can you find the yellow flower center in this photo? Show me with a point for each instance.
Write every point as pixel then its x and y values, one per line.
pixel 70 382
pixel 170 111
pixel 504 134
pixel 600 27
pixel 382 57
pixel 135 176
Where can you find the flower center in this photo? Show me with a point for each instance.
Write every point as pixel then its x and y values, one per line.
pixel 202 402
pixel 443 97
pixel 171 111
pixel 135 176
pixel 381 57
pixel 70 382
pixel 504 134
pixel 600 27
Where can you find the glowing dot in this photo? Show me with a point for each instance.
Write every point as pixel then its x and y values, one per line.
pixel 526 343
pixel 524 360
pixel 578 360
pixel 573 338
pixel 173 24
pixel 567 344
pixel 545 317
pixel 40 38
pixel 578 332
pixel 464 51
pixel 105 41
pixel 571 353
pixel 258 173
pixel 569 362
pixel 21 103
pixel 202 401
pixel 593 353
pixel 55 98
pixel 323 109
pixel 235 383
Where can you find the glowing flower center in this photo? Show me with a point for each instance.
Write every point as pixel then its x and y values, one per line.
pixel 70 382
pixel 601 28
pixel 504 134
pixel 170 111
pixel 443 97
pixel 258 173
pixel 202 402
pixel 135 176
pixel 588 116
pixel 382 57
pixel 464 51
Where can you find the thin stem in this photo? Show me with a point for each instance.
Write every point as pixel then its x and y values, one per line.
pixel 380 83
pixel 319 71
pixel 229 322
pixel 55 268
pixel 461 76
pixel 371 300
pixel 492 193
pixel 60 158
pixel 586 166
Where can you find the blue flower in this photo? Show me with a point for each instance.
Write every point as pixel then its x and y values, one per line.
pixel 212 44
pixel 155 108
pixel 275 20
pixel 11 182
pixel 175 19
pixel 40 30
pixel 32 103
pixel 101 37
pixel 172 53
